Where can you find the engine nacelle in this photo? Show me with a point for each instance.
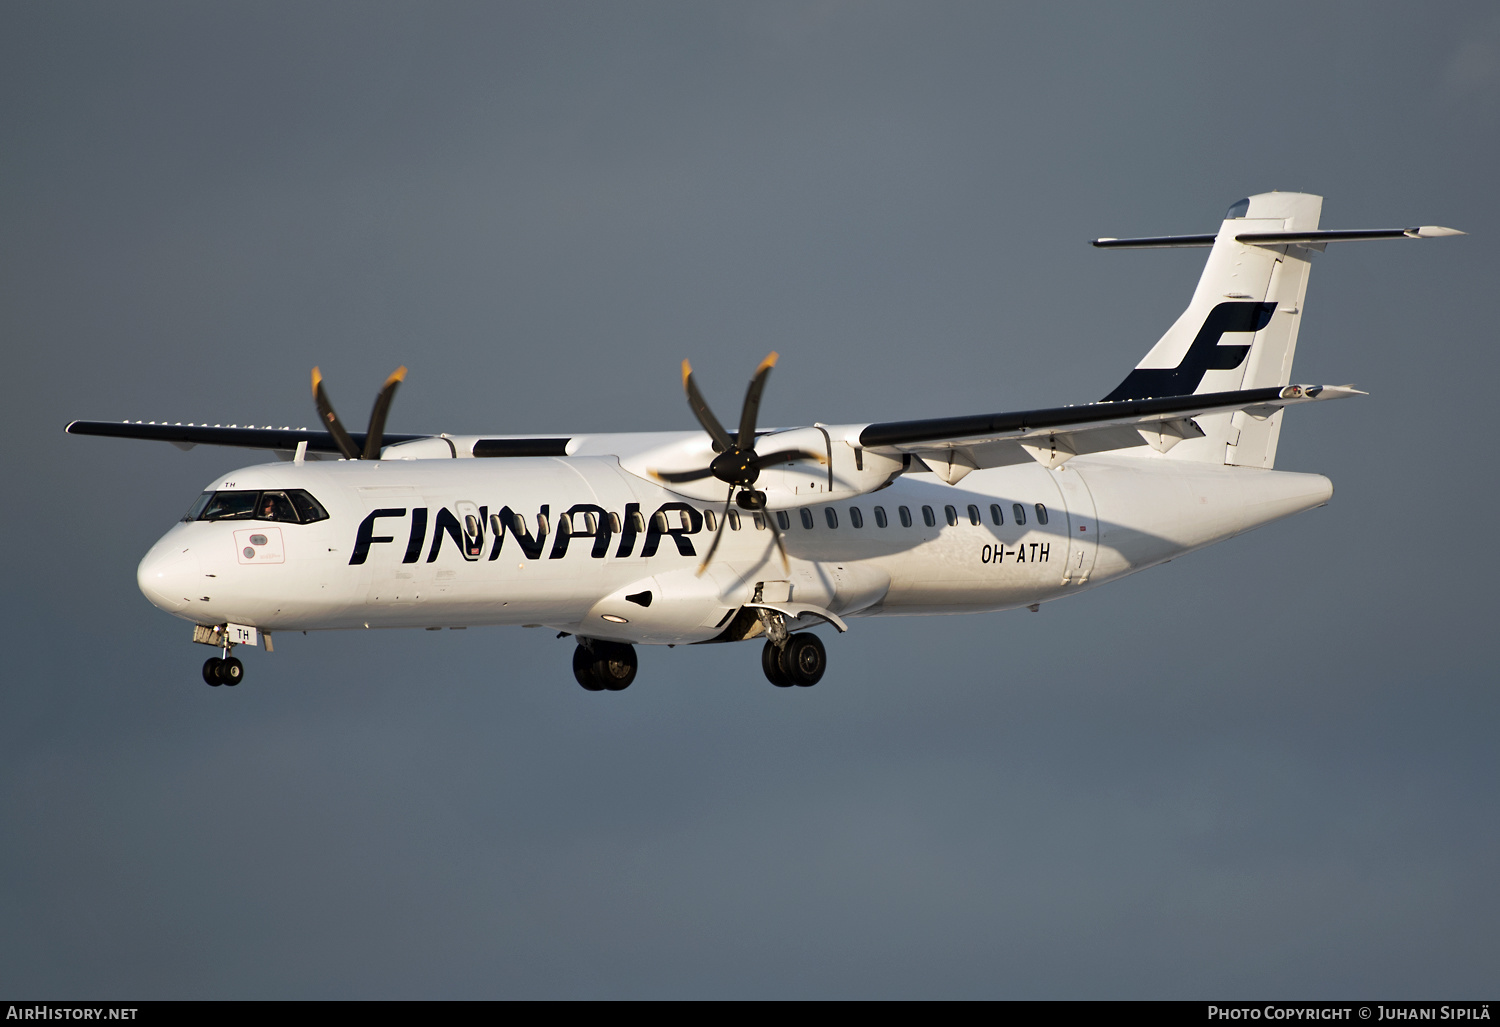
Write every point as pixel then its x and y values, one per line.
pixel 841 470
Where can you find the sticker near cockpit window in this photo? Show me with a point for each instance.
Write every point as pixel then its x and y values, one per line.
pixel 259 545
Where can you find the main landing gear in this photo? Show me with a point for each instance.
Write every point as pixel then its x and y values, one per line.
pixel 604 666
pixel 800 660
pixel 225 670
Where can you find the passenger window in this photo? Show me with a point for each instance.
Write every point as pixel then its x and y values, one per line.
pixel 659 522
pixel 905 516
pixel 880 520
pixel 198 505
pixel 1019 511
pixel 973 514
pixel 831 516
pixel 710 522
pixel 542 525
pixel 951 514
pixel 1041 514
pixel 928 517
pixel 734 520
pixel 308 508
pixel 783 519
pixel 856 518
pixel 807 521
pixel 471 525
pixel 760 521
pixel 564 525
pixel 591 522
pixel 614 523
pixel 637 522
pixel 995 514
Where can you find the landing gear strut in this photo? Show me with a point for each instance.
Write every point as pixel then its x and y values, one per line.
pixel 801 661
pixel 604 666
pixel 224 670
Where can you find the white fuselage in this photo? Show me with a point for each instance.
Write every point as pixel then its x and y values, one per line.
pixel 421 565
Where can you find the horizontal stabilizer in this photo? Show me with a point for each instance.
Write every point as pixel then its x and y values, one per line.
pixel 1154 242
pixel 1313 238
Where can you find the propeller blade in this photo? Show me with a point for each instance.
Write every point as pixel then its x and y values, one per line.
pixel 776 537
pixel 751 409
pixel 718 533
pixel 673 477
pixel 700 410
pixel 786 456
pixel 335 427
pixel 376 436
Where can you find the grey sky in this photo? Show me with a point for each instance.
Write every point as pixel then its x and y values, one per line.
pixel 1265 769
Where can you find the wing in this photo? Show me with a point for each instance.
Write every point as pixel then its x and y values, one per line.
pixel 185 436
pixel 954 446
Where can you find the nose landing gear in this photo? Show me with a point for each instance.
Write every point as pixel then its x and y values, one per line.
pixel 801 661
pixel 225 670
pixel 604 666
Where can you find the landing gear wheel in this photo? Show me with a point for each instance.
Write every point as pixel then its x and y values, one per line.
pixel 583 669
pixel 211 671
pixel 605 666
pixel 770 662
pixel 803 660
pixel 614 665
pixel 231 671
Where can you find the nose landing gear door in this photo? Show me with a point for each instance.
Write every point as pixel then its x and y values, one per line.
pixel 1083 526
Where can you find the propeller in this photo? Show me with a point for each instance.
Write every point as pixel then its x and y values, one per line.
pixel 738 464
pixel 376 434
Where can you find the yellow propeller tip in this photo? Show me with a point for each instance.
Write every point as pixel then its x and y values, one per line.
pixel 317 379
pixel 687 370
pixel 398 375
pixel 769 362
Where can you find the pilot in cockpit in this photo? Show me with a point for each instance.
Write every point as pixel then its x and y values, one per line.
pixel 275 506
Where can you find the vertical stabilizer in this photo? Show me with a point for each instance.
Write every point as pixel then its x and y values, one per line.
pixel 1239 331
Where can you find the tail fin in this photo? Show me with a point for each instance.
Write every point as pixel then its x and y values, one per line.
pixel 1240 330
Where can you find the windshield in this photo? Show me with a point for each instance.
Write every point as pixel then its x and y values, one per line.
pixel 293 506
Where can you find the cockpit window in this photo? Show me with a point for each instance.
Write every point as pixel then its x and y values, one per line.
pixel 292 506
pixel 275 506
pixel 230 506
pixel 308 508
pixel 197 507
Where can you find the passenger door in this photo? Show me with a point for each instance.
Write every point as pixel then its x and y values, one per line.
pixel 1083 526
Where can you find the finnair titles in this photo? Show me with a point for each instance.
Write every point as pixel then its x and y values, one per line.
pixel 740 534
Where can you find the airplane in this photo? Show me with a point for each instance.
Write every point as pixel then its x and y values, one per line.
pixel 719 535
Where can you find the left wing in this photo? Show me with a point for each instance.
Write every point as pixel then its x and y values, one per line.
pixel 954 446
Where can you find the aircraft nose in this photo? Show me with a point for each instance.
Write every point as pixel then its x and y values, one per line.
pixel 169 574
